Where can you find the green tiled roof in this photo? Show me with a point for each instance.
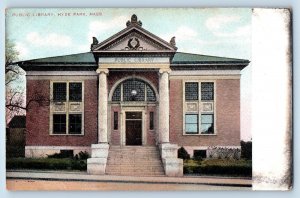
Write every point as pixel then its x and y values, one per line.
pixel 187 58
pixel 81 58
pixel 86 61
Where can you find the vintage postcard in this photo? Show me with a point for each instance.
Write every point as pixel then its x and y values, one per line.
pixel 144 99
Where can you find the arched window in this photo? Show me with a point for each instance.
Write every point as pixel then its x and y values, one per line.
pixel 134 90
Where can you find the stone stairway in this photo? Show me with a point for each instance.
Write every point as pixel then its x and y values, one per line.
pixel 134 161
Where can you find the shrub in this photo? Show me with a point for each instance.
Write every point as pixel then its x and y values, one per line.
pixel 15 151
pixel 198 158
pixel 222 167
pixel 199 154
pixel 83 155
pixel 183 154
pixel 62 154
pixel 246 150
pixel 46 163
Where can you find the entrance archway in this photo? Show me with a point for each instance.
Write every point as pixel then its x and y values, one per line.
pixel 134 100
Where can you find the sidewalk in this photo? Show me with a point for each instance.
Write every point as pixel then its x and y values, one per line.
pixel 83 176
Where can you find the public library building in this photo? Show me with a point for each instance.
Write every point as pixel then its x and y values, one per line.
pixel 133 98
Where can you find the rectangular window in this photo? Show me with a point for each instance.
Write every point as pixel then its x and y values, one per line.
pixel 191 91
pixel 207 91
pixel 207 124
pixel 75 91
pixel 67 117
pixel 151 127
pixel 59 91
pixel 75 123
pixel 59 124
pixel 116 120
pixel 191 123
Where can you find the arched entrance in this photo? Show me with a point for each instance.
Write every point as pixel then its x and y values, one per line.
pixel 133 108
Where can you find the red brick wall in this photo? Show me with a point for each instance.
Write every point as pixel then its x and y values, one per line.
pixel 227 112
pixel 37 118
pixel 176 111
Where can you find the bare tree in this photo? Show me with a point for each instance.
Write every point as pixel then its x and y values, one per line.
pixel 14 82
pixel 12 71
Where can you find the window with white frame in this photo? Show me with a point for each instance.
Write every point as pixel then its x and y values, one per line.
pixel 199 112
pixel 207 123
pixel 191 91
pixel 66 108
pixel 191 124
pixel 207 91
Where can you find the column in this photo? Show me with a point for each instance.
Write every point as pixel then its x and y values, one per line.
pixel 168 152
pixel 102 106
pixel 164 106
pixel 97 163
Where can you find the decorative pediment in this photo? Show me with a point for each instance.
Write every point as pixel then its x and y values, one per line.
pixel 134 38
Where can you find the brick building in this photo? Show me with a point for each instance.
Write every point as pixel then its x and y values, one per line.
pixel 133 92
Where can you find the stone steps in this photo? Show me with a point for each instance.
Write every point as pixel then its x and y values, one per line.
pixel 134 161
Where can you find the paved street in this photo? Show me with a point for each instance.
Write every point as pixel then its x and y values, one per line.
pixel 67 180
pixel 25 184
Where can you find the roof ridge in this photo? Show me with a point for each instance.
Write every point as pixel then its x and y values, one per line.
pixel 211 56
pixel 53 57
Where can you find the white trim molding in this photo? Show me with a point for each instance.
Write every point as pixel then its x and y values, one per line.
pixel 204 72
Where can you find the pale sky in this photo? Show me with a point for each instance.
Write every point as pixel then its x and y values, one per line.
pixel 40 33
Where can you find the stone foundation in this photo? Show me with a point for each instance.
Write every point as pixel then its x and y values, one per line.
pixel 172 165
pixel 223 153
pixel 44 151
pixel 96 165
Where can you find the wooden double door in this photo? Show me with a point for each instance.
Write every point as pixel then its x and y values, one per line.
pixel 134 128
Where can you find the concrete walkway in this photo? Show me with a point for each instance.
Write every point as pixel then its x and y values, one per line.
pixel 83 176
